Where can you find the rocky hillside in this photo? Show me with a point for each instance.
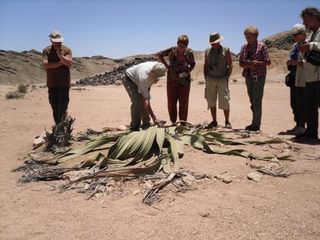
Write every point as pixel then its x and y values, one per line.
pixel 282 40
pixel 26 67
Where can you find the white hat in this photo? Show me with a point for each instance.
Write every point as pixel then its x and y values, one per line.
pixel 298 28
pixel 56 37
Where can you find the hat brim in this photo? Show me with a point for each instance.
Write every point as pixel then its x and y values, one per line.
pixel 217 41
pixel 57 40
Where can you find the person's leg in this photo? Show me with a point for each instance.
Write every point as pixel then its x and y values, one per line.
pixel 213 111
pixel 312 110
pixel 63 102
pixel 53 100
pixel 183 98
pixel 136 103
pixel 211 92
pixel 172 99
pixel 293 103
pixel 249 85
pixel 300 103
pixel 258 88
pixel 224 98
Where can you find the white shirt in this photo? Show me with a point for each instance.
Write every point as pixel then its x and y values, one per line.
pixel 139 74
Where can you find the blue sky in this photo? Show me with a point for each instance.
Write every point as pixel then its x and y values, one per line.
pixel 120 28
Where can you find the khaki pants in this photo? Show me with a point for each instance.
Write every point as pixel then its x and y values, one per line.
pixel 138 112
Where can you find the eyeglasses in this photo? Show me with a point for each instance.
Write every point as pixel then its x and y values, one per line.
pixel 182 45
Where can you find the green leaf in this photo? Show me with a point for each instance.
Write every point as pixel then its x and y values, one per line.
pixel 197 141
pixel 89 147
pixel 173 151
pixel 219 150
pixel 160 138
pixel 150 136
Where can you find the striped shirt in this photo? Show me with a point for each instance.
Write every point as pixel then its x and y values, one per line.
pixel 257 51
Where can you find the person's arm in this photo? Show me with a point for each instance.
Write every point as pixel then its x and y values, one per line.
pixel 191 62
pixel 229 63
pixel 48 65
pixel 147 106
pixel 266 59
pixel 161 56
pixel 205 66
pixel 65 60
pixel 242 62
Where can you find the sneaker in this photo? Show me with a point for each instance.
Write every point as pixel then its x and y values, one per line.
pixel 213 124
pixel 228 125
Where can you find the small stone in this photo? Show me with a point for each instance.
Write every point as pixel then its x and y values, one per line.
pixel 254 176
pixel 122 128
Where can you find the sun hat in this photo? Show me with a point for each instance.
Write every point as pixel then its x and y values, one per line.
pixel 298 28
pixel 159 69
pixel 215 38
pixel 56 37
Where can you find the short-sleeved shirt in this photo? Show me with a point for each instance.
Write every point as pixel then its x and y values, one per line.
pixel 257 51
pixel 139 74
pixel 176 65
pixel 60 76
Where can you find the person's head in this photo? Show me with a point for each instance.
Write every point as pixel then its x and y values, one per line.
pixel 251 34
pixel 158 71
pixel 311 18
pixel 56 39
pixel 215 39
pixel 299 32
pixel 182 42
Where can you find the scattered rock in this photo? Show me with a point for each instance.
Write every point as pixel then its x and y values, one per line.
pixel 254 176
pixel 226 178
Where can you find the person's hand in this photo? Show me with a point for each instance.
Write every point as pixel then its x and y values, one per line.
pixel 159 123
pixel 292 62
pixel 305 47
pixel 146 103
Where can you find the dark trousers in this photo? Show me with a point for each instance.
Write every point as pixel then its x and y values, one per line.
pixel 255 88
pixel 312 105
pixel 178 92
pixel 138 111
pixel 297 102
pixel 59 100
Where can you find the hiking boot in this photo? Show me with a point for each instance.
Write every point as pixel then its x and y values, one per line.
pixel 228 125
pixel 213 124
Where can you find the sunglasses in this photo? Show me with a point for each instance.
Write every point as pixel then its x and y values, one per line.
pixel 182 45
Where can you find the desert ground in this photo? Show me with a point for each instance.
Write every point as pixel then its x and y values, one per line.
pixel 274 208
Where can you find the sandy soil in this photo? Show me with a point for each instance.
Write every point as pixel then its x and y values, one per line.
pixel 275 208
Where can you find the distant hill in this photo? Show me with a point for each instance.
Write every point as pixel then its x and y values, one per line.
pixel 26 67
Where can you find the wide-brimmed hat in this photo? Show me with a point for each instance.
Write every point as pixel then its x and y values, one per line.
pixel 298 28
pixel 56 37
pixel 215 38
